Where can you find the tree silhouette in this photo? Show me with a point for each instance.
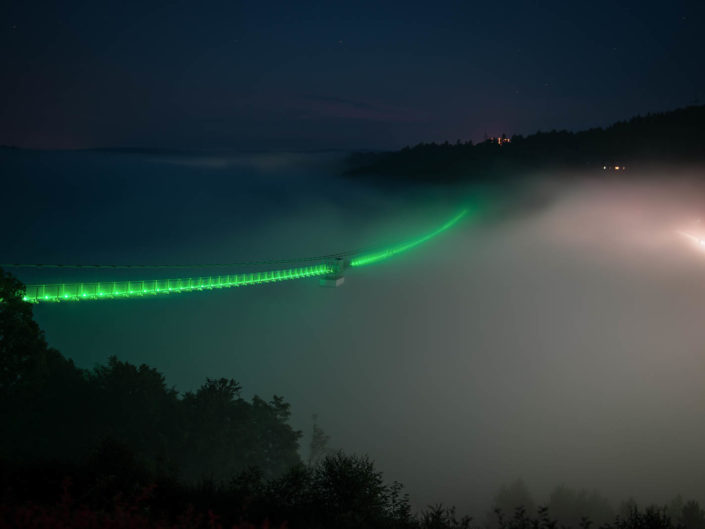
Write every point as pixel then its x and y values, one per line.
pixel 569 506
pixel 668 137
pixel 692 516
pixel 318 445
pixel 61 413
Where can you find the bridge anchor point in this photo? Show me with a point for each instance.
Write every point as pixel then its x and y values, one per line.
pixel 337 277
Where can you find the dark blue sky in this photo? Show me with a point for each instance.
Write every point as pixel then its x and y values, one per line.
pixel 336 74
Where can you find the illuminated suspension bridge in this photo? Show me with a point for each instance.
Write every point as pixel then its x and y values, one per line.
pixel 328 268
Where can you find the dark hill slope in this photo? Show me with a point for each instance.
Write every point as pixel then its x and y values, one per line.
pixel 670 137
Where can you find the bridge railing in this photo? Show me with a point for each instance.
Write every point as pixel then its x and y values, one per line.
pixel 116 289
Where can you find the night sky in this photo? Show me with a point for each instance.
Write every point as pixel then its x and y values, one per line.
pixel 560 339
pixel 293 75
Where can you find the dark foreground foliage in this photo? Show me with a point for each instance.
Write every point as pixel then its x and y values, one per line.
pixel 123 513
pixel 60 412
pixel 666 138
pixel 116 448
pixel 339 491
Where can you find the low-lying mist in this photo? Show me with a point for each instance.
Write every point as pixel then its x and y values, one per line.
pixel 563 345
pixel 560 342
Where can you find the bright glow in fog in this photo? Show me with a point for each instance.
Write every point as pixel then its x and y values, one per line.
pixel 697 240
pixel 561 344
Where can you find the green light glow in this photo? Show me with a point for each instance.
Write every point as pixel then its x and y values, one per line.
pixel 386 253
pixel 130 289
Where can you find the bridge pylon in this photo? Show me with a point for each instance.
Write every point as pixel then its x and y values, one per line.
pixel 337 276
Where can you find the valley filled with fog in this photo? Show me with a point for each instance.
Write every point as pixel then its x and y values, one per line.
pixel 558 339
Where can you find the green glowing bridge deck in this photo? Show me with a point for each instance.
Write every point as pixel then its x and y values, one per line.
pixel 129 289
pixel 333 268
pixel 386 253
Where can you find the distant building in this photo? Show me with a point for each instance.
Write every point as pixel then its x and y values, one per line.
pixel 500 140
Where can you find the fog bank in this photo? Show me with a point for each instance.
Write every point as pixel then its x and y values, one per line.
pixel 561 342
